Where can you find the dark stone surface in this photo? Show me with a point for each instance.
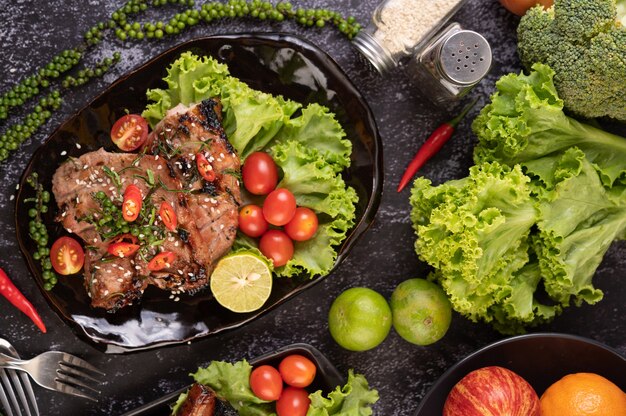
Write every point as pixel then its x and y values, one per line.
pixel 32 31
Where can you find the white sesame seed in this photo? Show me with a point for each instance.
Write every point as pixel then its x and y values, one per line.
pixel 176 299
pixel 78 145
pixel 63 153
pixel 120 280
pixel 106 292
pixel 12 197
pixel 180 272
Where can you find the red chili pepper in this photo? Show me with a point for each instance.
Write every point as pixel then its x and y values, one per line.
pixel 436 140
pixel 9 291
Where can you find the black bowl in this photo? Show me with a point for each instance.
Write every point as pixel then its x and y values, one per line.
pixel 274 63
pixel 326 378
pixel 541 359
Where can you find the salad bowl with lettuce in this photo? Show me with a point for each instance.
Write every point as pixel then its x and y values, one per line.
pixel 280 95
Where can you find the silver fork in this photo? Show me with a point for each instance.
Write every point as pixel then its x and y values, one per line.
pixel 19 384
pixel 59 371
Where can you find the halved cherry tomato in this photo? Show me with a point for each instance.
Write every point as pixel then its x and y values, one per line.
pixel 266 383
pixel 259 173
pixel 303 225
pixel 204 168
pixel 276 246
pixel 279 207
pixel 293 402
pixel 67 256
pixel 122 249
pixel 168 216
pixel 132 203
pixel 161 261
pixel 251 221
pixel 297 370
pixel 129 132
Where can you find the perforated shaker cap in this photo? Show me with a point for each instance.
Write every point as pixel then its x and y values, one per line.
pixel 465 57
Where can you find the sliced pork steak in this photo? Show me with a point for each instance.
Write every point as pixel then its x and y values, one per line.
pixel 89 191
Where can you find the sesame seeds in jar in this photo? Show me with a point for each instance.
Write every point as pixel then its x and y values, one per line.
pixel 400 28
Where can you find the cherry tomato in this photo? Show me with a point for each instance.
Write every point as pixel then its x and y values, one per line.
pixel 251 221
pixel 259 173
pixel 129 132
pixel 266 383
pixel 168 216
pixel 67 256
pixel 122 249
pixel 204 168
pixel 293 402
pixel 279 207
pixel 276 246
pixel 132 203
pixel 303 225
pixel 161 261
pixel 520 7
pixel 297 371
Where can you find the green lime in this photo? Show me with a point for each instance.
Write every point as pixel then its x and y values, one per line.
pixel 359 319
pixel 241 282
pixel 421 311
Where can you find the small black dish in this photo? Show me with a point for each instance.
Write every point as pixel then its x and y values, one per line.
pixel 274 63
pixel 541 359
pixel 326 378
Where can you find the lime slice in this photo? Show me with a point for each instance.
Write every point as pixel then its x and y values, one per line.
pixel 241 282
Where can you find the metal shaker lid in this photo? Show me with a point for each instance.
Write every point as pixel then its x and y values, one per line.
pixel 465 57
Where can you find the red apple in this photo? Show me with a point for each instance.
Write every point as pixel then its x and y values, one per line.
pixel 492 391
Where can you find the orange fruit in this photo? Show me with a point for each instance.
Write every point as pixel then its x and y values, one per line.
pixel 583 394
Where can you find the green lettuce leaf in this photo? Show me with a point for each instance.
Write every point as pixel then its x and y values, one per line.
pixel 525 121
pixel 578 222
pixel 474 231
pixel 231 382
pixel 353 399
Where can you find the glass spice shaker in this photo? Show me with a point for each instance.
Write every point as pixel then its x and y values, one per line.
pixel 451 64
pixel 401 28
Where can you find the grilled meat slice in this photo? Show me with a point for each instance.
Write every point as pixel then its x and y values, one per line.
pixel 164 172
pixel 202 401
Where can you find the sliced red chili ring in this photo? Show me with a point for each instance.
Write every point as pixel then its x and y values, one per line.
pixel 205 168
pixel 125 238
pixel 122 249
pixel 168 216
pixel 132 203
pixel 161 261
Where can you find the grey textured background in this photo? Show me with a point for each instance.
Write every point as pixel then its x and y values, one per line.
pixel 32 31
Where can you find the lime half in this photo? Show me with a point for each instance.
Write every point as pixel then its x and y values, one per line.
pixel 241 282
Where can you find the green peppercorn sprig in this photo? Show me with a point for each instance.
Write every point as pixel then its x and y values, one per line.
pixel 38 232
pixel 32 86
pixel 85 75
pixel 18 133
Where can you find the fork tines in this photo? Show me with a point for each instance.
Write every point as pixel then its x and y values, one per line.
pixel 11 381
pixel 75 372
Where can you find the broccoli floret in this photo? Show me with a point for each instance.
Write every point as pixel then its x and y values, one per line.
pixel 585 43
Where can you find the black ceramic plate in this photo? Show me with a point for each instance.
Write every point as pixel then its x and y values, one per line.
pixel 275 63
pixel 541 359
pixel 326 378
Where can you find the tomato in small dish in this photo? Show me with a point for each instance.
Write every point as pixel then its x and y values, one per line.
pixel 122 249
pixel 297 370
pixel 520 7
pixel 129 132
pixel 303 225
pixel 168 216
pixel 161 261
pixel 131 207
pixel 259 173
pixel 293 402
pixel 266 383
pixel 204 168
pixel 251 221
pixel 276 246
pixel 67 256
pixel 279 207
